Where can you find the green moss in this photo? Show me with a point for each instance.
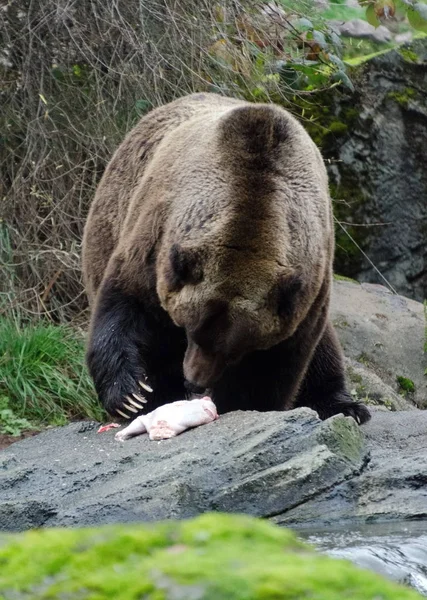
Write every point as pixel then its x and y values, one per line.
pixel 405 385
pixel 338 127
pixel 364 359
pixel 341 324
pixel 350 115
pixel 404 97
pixel 342 436
pixel 354 377
pixel 360 60
pixel 343 278
pixel 408 55
pixel 389 404
pixel 213 557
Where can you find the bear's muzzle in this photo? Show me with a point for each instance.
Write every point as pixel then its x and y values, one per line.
pixel 202 368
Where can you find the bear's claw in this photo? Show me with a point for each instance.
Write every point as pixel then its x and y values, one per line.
pixel 129 406
pixel 136 403
pixel 145 386
pixel 122 414
pixel 141 401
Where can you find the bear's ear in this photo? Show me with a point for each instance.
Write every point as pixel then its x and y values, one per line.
pixel 184 267
pixel 287 292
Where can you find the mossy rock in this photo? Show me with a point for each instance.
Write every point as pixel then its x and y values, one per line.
pixel 213 557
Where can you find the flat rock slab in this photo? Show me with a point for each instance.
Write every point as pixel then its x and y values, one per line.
pixel 259 464
pixel 289 467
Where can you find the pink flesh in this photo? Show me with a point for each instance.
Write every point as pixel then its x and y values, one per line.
pixel 107 427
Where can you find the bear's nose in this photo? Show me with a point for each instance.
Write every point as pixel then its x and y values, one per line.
pixel 193 388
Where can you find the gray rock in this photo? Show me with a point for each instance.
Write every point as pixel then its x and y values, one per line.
pixel 403 38
pixel 260 464
pixel 391 487
pixel 289 467
pixel 378 171
pixel 383 336
pixel 358 28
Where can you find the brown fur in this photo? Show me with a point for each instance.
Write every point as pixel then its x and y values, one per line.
pixel 217 211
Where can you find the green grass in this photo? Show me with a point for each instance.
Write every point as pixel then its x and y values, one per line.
pixel 43 377
pixel 212 557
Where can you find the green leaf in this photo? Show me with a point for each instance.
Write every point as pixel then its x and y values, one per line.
pixel 142 106
pixel 335 40
pixel 402 7
pixel 371 16
pixel 417 17
pixel 319 37
pixel 304 24
pixel 337 61
pixel 344 78
pixel 303 76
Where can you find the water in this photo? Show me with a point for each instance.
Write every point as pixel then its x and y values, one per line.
pixel 397 551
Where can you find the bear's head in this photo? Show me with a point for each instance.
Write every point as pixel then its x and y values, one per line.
pixel 229 305
pixel 248 241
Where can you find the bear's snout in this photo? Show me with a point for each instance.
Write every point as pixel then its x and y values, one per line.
pixel 201 368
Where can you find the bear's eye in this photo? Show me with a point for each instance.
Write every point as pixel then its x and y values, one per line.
pixel 185 267
pixel 287 292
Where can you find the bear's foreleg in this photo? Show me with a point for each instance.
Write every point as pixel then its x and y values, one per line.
pixel 323 388
pixel 117 338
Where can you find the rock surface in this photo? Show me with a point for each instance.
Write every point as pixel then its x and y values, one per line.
pixel 244 462
pixel 378 172
pixel 383 336
pixel 289 467
pixel 358 28
pixel 392 486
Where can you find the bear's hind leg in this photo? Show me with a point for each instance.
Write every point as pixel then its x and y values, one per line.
pixel 323 388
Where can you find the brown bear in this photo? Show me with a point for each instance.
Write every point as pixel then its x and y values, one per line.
pixel 207 259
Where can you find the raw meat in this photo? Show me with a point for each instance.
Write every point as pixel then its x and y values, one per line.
pixel 172 419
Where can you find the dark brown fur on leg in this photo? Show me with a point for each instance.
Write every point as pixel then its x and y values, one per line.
pixel 323 388
pixel 130 352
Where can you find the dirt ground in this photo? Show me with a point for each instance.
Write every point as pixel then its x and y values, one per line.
pixel 6 440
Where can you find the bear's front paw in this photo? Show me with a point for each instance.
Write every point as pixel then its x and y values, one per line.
pixel 129 405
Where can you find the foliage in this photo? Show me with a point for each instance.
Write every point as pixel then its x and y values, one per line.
pixel 11 424
pixel 403 98
pixel 384 12
pixel 76 77
pixel 42 376
pixel 213 557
